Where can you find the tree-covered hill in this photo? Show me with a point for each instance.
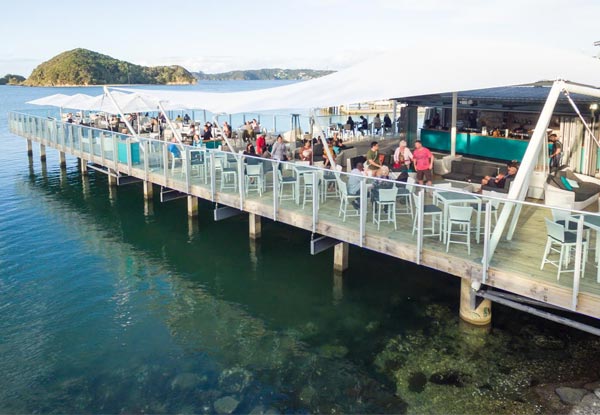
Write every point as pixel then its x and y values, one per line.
pixel 10 79
pixel 263 74
pixel 85 67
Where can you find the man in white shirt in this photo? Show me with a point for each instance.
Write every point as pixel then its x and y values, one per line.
pixel 354 183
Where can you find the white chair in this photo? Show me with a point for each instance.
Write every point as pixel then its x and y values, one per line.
pixel 345 199
pixel 433 211
pixel 461 217
pixel 254 178
pixel 175 161
pixel 287 180
pixel 329 182
pixel 228 175
pixel 311 184
pixel 386 199
pixel 557 235
pixel 404 197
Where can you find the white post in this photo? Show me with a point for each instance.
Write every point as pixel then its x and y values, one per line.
pixel 394 116
pixel 121 114
pixel 527 165
pixel 453 126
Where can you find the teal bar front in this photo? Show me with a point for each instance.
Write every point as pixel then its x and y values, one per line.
pixel 477 145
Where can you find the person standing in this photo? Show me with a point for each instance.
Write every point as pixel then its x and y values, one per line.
pixel 423 163
pixel 376 124
pixel 261 145
pixel 402 156
pixel 555 152
pixel 278 152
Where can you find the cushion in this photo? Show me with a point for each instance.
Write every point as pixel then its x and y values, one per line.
pixel 463 177
pixel 482 170
pixel 585 191
pixel 566 183
pixel 465 167
pixel 574 184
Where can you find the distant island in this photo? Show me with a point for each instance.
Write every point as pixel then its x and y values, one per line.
pixel 10 79
pixel 82 67
pixel 262 74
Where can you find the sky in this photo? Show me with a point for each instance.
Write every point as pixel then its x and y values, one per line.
pixel 217 36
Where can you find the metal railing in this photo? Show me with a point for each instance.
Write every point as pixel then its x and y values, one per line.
pixel 282 190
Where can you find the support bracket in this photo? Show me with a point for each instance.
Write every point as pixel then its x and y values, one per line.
pixel 225 212
pixel 320 243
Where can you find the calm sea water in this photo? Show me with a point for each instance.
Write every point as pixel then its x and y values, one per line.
pixel 107 309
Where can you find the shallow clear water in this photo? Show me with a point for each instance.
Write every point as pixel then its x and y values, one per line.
pixel 106 309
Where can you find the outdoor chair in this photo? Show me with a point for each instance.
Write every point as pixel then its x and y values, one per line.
pixel 459 216
pixel 558 236
pixel 228 175
pixel 386 201
pixel 429 210
pixel 290 181
pixel 311 185
pixel 345 199
pixel 404 199
pixel 254 178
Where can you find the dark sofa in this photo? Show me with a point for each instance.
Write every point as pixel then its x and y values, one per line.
pixel 474 171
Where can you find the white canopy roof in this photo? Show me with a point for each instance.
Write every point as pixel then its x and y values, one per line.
pixel 418 70
pixel 127 102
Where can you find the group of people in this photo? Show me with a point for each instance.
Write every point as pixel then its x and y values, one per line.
pixel 404 159
pixel 363 124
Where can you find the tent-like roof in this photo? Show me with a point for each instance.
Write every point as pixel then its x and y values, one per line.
pixel 418 70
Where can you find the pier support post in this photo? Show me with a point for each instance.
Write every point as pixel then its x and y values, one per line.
pixel 42 152
pixel 192 206
pixel 255 225
pixel 112 180
pixel 84 167
pixel 62 160
pixel 29 148
pixel 148 190
pixel 148 207
pixel 481 314
pixel 340 257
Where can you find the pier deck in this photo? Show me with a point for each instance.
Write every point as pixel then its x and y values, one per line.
pixel 514 266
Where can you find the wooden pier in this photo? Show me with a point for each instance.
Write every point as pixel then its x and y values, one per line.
pixel 514 268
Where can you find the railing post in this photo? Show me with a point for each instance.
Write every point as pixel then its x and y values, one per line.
pixel 146 146
pixel 165 160
pixel 102 146
pixel 315 200
pixel 213 179
pixel 362 212
pixel 487 228
pixel 420 221
pixel 275 168
pixel 578 262
pixel 128 152
pixel 241 181
pixel 188 168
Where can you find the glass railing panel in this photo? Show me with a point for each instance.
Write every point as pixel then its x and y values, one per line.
pixel 155 156
pixel 96 147
pixel 453 220
pixel 107 144
pixel 534 250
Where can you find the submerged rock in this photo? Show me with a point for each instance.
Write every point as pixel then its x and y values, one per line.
pixel 234 380
pixel 187 380
pixel 571 396
pixel 333 351
pixel 451 378
pixel 417 382
pixel 226 405
pixel 589 405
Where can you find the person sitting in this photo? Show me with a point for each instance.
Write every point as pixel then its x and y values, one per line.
pixel 372 156
pixel 383 173
pixel 500 180
pixel 306 153
pixel 186 118
pixel 350 122
pixel 207 134
pixel 179 119
pixel 247 132
pixel 364 125
pixel 329 152
pixel 353 185
pixel 173 148
pixel 226 129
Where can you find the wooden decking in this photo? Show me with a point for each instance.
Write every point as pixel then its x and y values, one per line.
pixel 514 267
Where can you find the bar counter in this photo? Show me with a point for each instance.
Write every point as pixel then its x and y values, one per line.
pixel 474 144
